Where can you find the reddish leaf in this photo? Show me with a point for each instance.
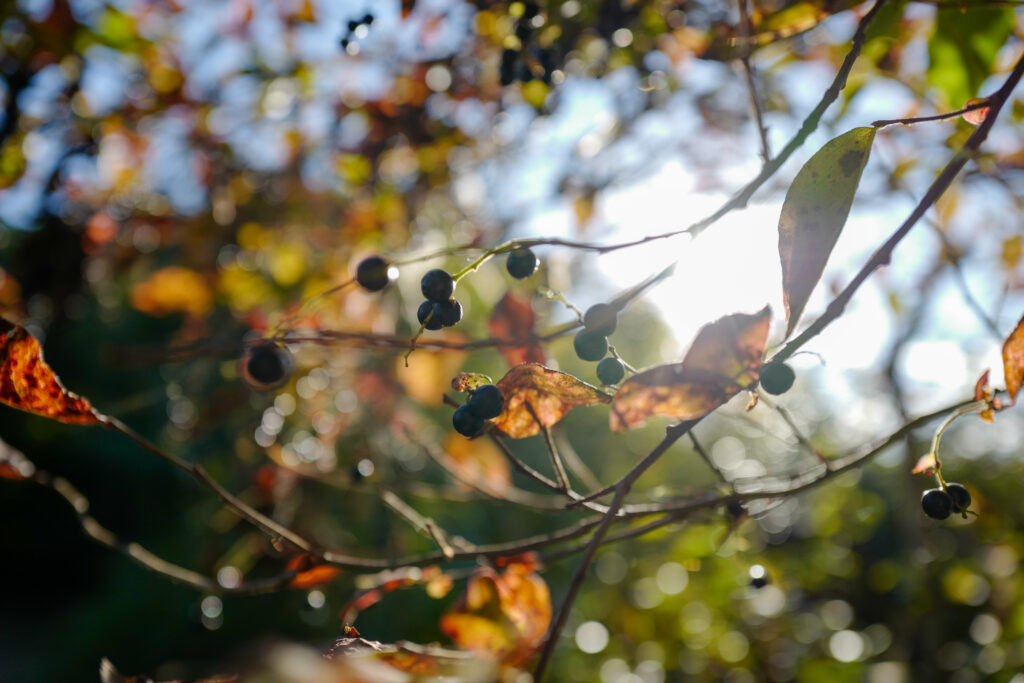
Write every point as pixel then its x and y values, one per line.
pixel 550 393
pixel 513 323
pixel 27 382
pixel 976 117
pixel 310 574
pixel 725 358
pixel 1013 360
pixel 465 381
pixel 925 464
pixel 983 392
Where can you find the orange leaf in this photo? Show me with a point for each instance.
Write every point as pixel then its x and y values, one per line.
pixel 479 461
pixel 310 574
pixel 173 289
pixel 725 358
pixel 513 323
pixel 27 382
pixel 550 393
pixel 472 632
pixel 982 391
pixel 1013 360
pixel 925 464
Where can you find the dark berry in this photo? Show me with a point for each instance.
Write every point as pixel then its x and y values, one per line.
pixel 758 576
pixel 368 19
pixel 429 316
pixel 449 313
pixel 777 378
pixel 523 31
pixel 522 263
pixel 937 504
pixel 530 10
pixel 266 365
pixel 590 345
pixel 353 25
pixel 611 371
pixel 467 422
pixel 344 43
pixel 486 401
pixel 374 273
pixel 601 319
pixel 437 285
pixel 960 495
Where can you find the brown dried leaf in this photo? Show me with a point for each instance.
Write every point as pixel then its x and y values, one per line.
pixel 27 382
pixel 725 357
pixel 513 323
pixel 467 381
pixel 1013 360
pixel 550 393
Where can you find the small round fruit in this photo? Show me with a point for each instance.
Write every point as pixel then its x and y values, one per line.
pixel 429 316
pixel 486 401
pixel 758 576
pixel 374 273
pixel 522 263
pixel 266 365
pixel 777 378
pixel 590 345
pixel 467 422
pixel 611 371
pixel 936 503
pixel 601 318
pixel 960 495
pixel 449 313
pixel 437 285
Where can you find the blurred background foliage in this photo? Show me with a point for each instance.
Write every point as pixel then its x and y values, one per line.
pixel 179 176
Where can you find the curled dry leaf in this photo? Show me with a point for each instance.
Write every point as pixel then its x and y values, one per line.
pixel 27 382
pixel 467 381
pixel 550 394
pixel 512 323
pixel 505 615
pixel 815 212
pixel 725 357
pixel 310 573
pixel 1013 360
pixel 983 392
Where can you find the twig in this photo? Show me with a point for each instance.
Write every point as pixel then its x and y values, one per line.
pixel 575 463
pixel 556 460
pixel 883 255
pixel 935 117
pixel 801 439
pixel 748 72
pixel 426 526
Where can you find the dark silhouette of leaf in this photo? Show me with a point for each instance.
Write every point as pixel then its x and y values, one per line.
pixel 27 382
pixel 725 358
pixel 814 213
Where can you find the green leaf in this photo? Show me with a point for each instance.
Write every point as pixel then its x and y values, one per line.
pixel 963 48
pixel 814 213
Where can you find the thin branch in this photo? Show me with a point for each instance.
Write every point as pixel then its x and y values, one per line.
pixel 795 430
pixel 883 255
pixel 425 525
pixel 549 443
pixel 707 459
pixel 744 30
pixel 935 117
pixel 575 463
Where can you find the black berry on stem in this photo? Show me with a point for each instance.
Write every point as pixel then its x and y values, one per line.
pixel 467 422
pixel 590 346
pixel 486 401
pixel 522 263
pixel 374 273
pixel 600 319
pixel 266 365
pixel 437 285
pixel 777 378
pixel 936 503
pixel 611 371
pixel 449 313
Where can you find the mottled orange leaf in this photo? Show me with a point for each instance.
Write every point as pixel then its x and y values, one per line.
pixel 506 614
pixel 467 381
pixel 173 289
pixel 976 117
pixel 512 323
pixel 27 382
pixel 310 574
pixel 925 464
pixel 550 393
pixel 724 358
pixel 983 392
pixel 1013 360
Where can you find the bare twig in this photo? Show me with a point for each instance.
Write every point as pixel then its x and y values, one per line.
pixel 743 33
pixel 549 443
pixel 426 526
pixel 707 459
pixel 935 117
pixel 795 430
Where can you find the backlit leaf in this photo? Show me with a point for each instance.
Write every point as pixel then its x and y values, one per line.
pixel 310 573
pixel 513 323
pixel 925 464
pixel 724 358
pixel 549 393
pixel 814 213
pixel 976 117
pixel 27 382
pixel 1013 360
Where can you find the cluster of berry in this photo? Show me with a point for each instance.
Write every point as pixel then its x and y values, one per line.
pixel 485 402
pixel 356 30
pixel 591 343
pixel 941 503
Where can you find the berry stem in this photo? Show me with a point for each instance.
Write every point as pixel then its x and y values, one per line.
pixel 973 407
